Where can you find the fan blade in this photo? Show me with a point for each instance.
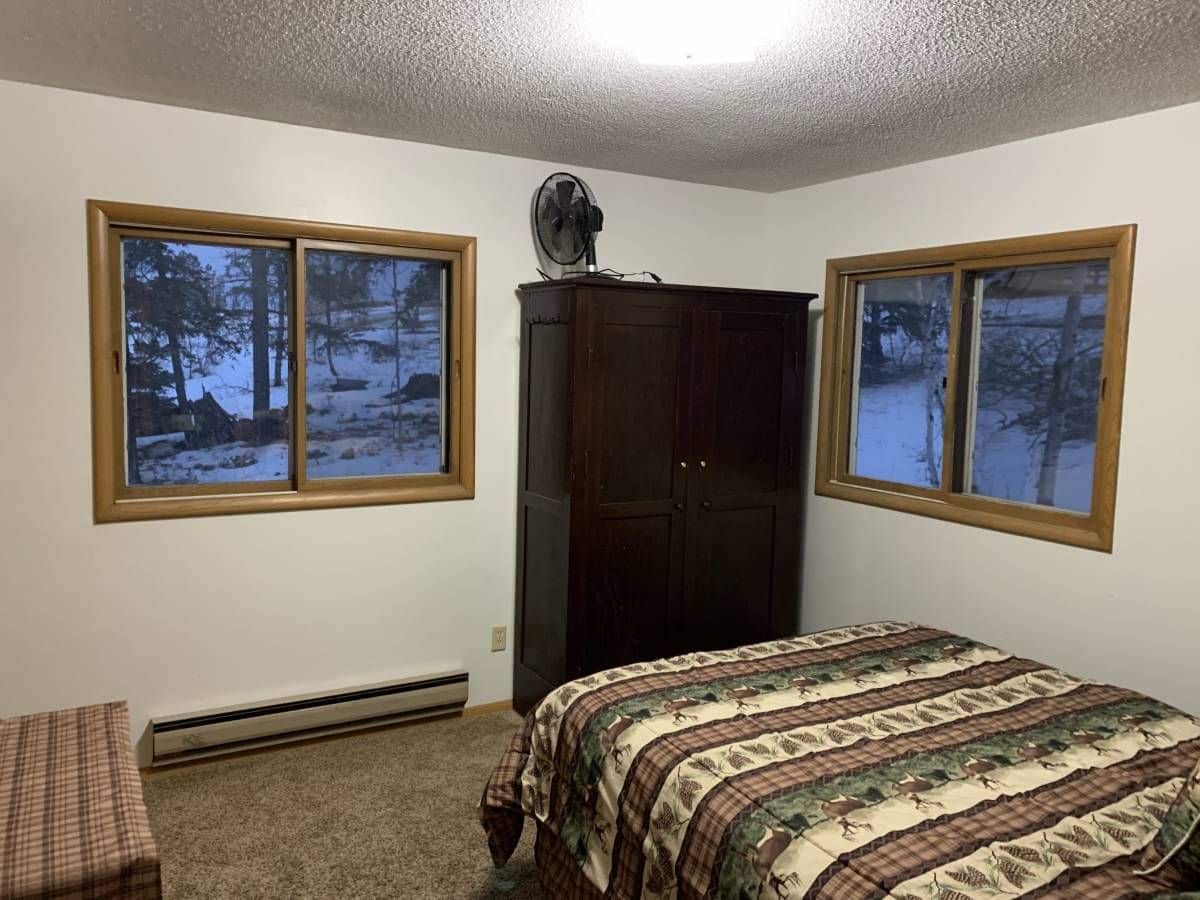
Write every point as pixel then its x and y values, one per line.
pixel 563 219
pixel 565 190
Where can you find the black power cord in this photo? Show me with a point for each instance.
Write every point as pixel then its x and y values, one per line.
pixel 605 273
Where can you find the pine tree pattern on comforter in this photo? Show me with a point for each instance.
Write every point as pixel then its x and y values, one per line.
pixel 886 760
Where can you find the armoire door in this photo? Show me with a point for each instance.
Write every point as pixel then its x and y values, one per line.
pixel 639 377
pixel 743 513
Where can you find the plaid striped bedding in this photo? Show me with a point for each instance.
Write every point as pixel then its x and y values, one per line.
pixel 886 760
pixel 72 820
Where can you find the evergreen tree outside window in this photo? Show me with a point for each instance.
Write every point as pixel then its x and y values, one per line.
pixel 374 363
pixel 200 405
pixel 245 364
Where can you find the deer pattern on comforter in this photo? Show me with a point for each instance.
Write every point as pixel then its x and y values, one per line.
pixel 885 760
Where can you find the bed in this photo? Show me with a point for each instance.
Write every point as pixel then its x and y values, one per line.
pixel 886 760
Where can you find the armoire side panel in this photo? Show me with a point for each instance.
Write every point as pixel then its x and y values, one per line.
pixel 548 423
pixel 544 487
pixel 543 635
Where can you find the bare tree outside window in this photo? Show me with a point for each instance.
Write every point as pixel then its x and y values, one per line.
pixel 1038 383
pixel 904 327
pixel 980 383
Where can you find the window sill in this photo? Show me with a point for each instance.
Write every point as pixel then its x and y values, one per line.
pixel 1061 527
pixel 429 489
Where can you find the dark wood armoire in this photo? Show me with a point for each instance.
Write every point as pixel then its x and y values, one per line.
pixel 659 485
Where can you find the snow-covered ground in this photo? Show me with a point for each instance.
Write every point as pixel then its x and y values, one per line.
pixel 163 459
pixel 350 433
pixel 890 425
pixel 891 417
pixel 354 432
pixel 1007 462
pixel 220 464
pixel 890 443
pixel 891 447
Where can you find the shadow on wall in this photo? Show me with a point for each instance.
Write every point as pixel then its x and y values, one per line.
pixel 811 379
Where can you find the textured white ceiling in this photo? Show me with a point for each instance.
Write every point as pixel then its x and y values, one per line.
pixel 855 85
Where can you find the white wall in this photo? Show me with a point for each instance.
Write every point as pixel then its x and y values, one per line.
pixel 1132 617
pixel 178 615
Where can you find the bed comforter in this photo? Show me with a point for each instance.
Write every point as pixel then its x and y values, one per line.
pixel 885 760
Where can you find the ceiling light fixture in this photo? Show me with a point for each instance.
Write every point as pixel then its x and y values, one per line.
pixel 690 32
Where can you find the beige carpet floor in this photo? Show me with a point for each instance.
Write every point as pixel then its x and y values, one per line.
pixel 388 813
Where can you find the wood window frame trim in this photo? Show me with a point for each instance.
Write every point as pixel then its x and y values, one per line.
pixel 113 501
pixel 1093 531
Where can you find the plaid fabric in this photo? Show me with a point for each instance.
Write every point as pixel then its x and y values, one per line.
pixel 906 854
pixel 699 668
pixel 500 809
pixel 884 760
pixel 558 871
pixel 707 838
pixel 1116 881
pixel 73 821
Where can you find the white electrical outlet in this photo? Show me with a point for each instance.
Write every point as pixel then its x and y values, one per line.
pixel 499 637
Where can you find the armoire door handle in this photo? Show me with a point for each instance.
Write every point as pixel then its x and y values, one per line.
pixel 707 504
pixel 679 506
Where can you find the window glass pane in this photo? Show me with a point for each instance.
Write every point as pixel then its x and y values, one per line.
pixel 206 374
pixel 903 328
pixel 375 327
pixel 1040 333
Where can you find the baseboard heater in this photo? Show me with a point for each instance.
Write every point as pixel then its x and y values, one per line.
pixel 231 728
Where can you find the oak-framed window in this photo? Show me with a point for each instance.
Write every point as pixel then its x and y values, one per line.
pixel 980 383
pixel 249 364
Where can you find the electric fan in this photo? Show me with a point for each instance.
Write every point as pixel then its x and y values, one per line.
pixel 566 220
